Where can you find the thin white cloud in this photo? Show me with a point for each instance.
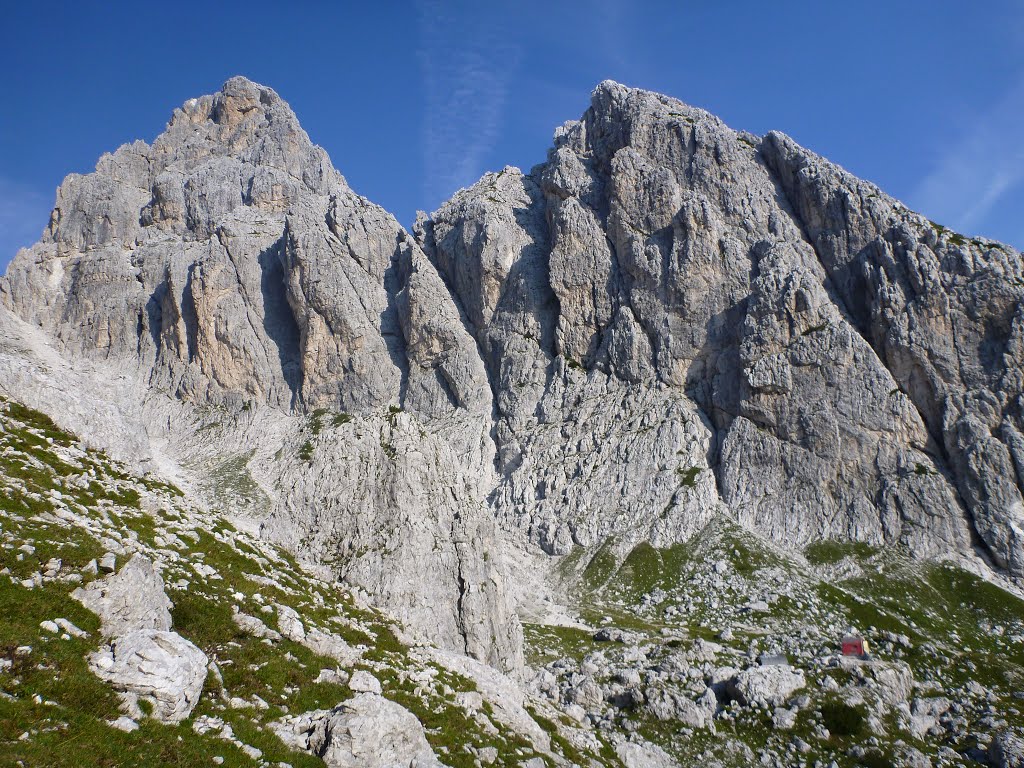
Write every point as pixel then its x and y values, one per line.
pixel 466 65
pixel 24 212
pixel 975 173
pixel 612 27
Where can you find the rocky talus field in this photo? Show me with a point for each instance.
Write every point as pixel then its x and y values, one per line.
pixel 595 466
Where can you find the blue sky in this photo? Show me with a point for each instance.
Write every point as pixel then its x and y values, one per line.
pixel 414 100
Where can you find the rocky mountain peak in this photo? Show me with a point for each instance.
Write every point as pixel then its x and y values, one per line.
pixel 666 322
pixel 677 377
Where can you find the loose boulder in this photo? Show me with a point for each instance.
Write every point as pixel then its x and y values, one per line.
pixel 367 731
pixel 154 666
pixel 1007 750
pixel 765 686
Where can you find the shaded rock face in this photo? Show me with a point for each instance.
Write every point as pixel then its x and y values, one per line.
pixel 665 321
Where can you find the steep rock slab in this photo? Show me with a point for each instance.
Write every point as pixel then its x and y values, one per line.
pixel 818 410
pixel 397 505
pixel 945 313
pixel 579 459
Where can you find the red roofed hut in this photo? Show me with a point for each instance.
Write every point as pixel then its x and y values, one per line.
pixel 855 645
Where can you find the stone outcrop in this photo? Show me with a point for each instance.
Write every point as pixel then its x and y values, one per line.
pixel 769 685
pixel 143 660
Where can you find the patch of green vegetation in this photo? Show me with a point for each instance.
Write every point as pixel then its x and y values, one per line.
pixel 746 553
pixel 874 758
pixel 126 497
pixel 449 728
pixel 922 470
pixel 207 623
pixel 844 720
pixel 316 420
pixel 829 551
pixel 562 745
pixel 974 594
pixel 647 568
pixel 67 724
pixel 341 419
pixel 546 642
pixel 574 364
pixel 230 480
pixel 815 329
pixel 688 476
pixel 306 451
pixel 601 567
pixel 39 422
pixel 862 612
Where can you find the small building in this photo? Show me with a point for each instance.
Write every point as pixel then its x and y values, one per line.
pixel 856 646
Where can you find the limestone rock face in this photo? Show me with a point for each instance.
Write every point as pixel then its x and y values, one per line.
pixel 367 731
pixel 229 261
pixel 946 316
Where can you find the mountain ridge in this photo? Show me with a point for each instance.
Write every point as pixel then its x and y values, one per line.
pixel 670 363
